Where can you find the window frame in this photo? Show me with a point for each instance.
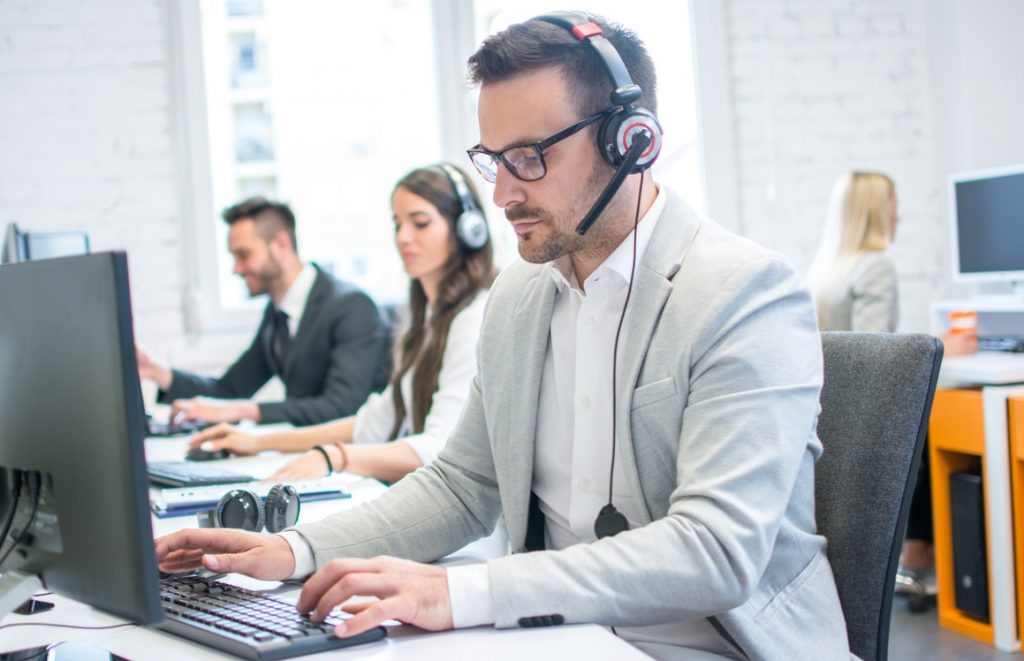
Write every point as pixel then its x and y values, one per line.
pixel 454 24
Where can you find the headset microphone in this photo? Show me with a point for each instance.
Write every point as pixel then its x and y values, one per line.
pixel 638 145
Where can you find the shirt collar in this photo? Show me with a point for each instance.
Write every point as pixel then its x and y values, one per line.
pixel 620 262
pixel 294 302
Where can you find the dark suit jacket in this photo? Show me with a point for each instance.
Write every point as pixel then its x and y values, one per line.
pixel 339 355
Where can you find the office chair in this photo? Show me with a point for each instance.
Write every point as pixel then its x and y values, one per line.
pixel 874 415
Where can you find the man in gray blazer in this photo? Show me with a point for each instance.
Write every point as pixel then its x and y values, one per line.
pixel 703 452
pixel 322 337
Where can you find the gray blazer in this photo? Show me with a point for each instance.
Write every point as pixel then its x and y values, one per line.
pixel 722 368
pixel 866 299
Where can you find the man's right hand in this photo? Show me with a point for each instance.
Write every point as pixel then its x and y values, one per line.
pixel 227 437
pixel 263 556
pixel 152 369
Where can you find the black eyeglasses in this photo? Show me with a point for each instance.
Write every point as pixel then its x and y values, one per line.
pixel 526 162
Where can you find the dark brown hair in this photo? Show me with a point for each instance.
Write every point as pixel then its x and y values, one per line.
pixel 465 273
pixel 534 45
pixel 270 217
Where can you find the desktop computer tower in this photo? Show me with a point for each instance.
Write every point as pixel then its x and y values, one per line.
pixel 970 573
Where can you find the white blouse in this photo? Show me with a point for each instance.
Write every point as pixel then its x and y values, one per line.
pixel 376 417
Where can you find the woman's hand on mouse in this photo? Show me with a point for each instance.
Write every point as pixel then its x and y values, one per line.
pixel 226 437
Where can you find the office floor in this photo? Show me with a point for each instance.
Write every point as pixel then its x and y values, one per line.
pixel 914 637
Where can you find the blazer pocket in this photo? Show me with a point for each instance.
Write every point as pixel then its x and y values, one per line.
pixel 655 391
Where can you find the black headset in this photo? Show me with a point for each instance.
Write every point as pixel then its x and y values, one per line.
pixel 620 128
pixel 470 226
pixel 241 508
pixel 629 138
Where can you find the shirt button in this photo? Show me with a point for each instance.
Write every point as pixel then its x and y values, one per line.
pixel 584 485
pixel 586 402
pixel 590 321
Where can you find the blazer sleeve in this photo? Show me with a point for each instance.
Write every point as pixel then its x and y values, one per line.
pixel 874 289
pixel 426 515
pixel 245 376
pixel 358 346
pixel 754 375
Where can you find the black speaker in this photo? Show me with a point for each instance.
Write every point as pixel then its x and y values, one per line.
pixel 970 566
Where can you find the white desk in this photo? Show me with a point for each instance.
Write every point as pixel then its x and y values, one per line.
pixel 403 642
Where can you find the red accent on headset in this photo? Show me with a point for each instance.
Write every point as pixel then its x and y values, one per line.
pixel 629 129
pixel 586 30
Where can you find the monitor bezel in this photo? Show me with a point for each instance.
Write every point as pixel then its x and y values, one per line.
pixel 1016 276
pixel 138 563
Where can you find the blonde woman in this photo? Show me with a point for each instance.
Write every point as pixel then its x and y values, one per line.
pixel 852 278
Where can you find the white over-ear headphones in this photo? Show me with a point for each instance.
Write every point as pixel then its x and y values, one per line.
pixel 470 226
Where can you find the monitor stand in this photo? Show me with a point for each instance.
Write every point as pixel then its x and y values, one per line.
pixel 16 587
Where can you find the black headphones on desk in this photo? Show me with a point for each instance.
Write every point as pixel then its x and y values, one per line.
pixel 242 508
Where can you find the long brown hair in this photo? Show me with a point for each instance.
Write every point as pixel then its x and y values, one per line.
pixel 465 273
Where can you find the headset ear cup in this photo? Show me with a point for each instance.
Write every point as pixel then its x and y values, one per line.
pixel 239 508
pixel 282 507
pixel 616 134
pixel 207 519
pixel 471 229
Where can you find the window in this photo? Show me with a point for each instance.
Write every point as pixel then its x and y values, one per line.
pixel 325 107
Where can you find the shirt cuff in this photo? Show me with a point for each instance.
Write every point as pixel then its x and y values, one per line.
pixel 469 591
pixel 305 564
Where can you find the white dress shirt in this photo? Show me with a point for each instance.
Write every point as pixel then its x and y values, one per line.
pixel 376 417
pixel 572 453
pixel 294 302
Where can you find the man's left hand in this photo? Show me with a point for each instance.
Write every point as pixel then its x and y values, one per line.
pixel 214 410
pixel 407 591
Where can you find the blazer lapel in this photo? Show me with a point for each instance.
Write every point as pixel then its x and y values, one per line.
pixel 672 237
pixel 314 304
pixel 533 323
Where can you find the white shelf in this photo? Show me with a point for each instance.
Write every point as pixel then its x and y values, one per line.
pixel 997 315
pixel 986 367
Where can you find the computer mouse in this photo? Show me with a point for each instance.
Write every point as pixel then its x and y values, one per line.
pixel 199 454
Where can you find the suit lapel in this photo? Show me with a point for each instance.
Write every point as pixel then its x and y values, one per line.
pixel 672 237
pixel 314 304
pixel 530 342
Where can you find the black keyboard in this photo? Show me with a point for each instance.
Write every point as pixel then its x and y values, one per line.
pixel 191 474
pixel 1014 343
pixel 247 623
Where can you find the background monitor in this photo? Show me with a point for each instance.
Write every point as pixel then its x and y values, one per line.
pixel 988 225
pixel 23 246
pixel 71 411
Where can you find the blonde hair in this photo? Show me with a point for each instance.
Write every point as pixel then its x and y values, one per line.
pixel 859 220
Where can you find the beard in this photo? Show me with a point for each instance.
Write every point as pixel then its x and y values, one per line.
pixel 267 276
pixel 561 237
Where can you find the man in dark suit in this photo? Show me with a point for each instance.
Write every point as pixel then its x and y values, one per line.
pixel 323 337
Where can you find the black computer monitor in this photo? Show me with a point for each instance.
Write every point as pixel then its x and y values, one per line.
pixel 987 208
pixel 71 412
pixel 24 246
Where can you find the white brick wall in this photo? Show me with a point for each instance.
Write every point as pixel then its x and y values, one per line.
pixel 820 86
pixel 823 86
pixel 85 140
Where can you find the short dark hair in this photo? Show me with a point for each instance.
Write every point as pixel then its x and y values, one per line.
pixel 269 216
pixel 534 45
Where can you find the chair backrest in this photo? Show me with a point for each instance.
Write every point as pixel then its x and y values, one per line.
pixel 875 405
